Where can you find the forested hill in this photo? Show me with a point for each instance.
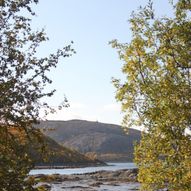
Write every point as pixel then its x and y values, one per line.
pixel 57 155
pixel 108 142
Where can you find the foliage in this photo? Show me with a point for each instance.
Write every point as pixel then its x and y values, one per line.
pixel 23 78
pixel 156 95
pixel 14 162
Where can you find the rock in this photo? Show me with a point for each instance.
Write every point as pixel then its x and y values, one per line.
pixel 93 180
pixel 96 184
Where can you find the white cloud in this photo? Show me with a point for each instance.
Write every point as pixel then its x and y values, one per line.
pixel 76 105
pixel 112 107
pixel 109 113
pixel 75 111
pixel 72 112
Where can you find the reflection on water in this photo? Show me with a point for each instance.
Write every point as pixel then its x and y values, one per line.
pixel 111 167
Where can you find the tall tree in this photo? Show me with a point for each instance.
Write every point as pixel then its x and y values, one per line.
pixel 156 95
pixel 23 78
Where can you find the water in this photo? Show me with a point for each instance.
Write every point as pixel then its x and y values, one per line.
pixel 86 184
pixel 69 171
pixel 80 187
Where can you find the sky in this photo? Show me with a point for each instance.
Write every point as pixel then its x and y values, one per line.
pixel 85 77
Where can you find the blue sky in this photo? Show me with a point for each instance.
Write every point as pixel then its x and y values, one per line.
pixel 85 78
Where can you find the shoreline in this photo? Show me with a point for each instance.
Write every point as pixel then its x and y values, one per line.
pixel 122 180
pixel 69 166
pixel 72 165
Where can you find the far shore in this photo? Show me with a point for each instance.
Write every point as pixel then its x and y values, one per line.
pixel 69 166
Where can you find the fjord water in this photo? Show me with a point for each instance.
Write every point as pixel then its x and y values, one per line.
pixel 68 171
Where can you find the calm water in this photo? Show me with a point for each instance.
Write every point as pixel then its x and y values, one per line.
pixel 111 167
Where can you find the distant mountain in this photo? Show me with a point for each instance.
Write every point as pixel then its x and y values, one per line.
pixel 57 155
pixel 105 141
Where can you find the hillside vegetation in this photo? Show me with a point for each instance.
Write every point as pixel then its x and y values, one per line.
pixel 57 155
pixel 105 141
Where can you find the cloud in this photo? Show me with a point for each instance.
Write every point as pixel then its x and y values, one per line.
pixel 112 107
pixel 109 113
pixel 76 105
pixel 72 112
pixel 75 111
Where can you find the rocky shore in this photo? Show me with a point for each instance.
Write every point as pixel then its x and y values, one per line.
pixel 121 180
